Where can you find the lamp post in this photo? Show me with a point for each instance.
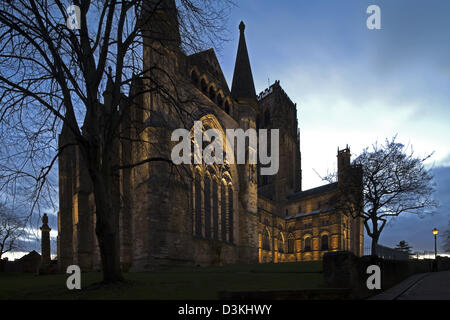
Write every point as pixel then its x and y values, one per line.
pixel 435 232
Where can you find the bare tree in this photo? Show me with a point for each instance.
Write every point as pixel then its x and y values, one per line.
pixel 53 76
pixel 394 181
pixel 11 229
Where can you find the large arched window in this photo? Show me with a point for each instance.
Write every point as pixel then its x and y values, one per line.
pixel 266 240
pixel 223 207
pixel 307 246
pixel 215 209
pixel 324 242
pixel 212 196
pixel 291 243
pixel 207 207
pixel 230 213
pixel 198 205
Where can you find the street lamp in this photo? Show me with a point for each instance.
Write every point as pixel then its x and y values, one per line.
pixel 435 232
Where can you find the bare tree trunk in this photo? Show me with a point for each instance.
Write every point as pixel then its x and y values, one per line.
pixel 108 241
pixel 374 244
pixel 107 228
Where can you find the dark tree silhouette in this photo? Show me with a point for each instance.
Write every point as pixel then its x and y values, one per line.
pixel 52 75
pixel 403 246
pixel 11 229
pixel 394 182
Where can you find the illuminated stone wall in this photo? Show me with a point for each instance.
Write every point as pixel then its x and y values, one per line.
pixel 168 215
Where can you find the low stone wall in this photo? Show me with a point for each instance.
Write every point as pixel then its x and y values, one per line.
pixel 345 270
pixel 443 263
pixel 300 294
pixel 21 266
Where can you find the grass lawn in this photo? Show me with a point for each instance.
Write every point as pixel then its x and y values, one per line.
pixel 175 283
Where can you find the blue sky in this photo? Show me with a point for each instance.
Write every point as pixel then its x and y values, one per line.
pixel 355 86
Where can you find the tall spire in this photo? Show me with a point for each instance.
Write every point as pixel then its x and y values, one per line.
pixel 243 86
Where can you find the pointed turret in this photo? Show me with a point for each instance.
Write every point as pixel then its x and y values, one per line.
pixel 243 86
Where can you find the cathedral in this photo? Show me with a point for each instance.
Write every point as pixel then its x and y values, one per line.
pixel 202 214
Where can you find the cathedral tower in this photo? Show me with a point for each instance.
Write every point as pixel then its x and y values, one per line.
pixel 154 205
pixel 244 96
pixel 277 111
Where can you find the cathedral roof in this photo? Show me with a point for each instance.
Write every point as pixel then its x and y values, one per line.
pixel 304 214
pixel 207 62
pixel 242 86
pixel 313 192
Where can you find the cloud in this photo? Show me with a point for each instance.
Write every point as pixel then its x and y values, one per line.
pixel 444 162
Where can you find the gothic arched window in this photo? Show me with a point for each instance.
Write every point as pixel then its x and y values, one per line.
pixel 230 213
pixel 307 244
pixel 198 205
pixel 324 242
pixel 212 196
pixel 291 244
pixel 194 77
pixel 219 100
pixel 212 93
pixel 223 202
pixel 281 243
pixel 215 209
pixel 266 240
pixel 203 86
pixel 207 207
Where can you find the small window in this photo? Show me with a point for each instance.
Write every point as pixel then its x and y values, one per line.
pixel 307 244
pixel 287 212
pixel 212 93
pixel 324 241
pixel 203 86
pixel 227 107
pixel 219 100
pixel 291 244
pixel 194 77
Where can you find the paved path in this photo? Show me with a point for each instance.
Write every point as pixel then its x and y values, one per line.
pixel 423 286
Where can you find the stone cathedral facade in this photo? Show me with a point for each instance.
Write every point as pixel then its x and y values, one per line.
pixel 202 214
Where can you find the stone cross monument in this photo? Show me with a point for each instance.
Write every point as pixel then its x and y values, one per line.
pixel 45 240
